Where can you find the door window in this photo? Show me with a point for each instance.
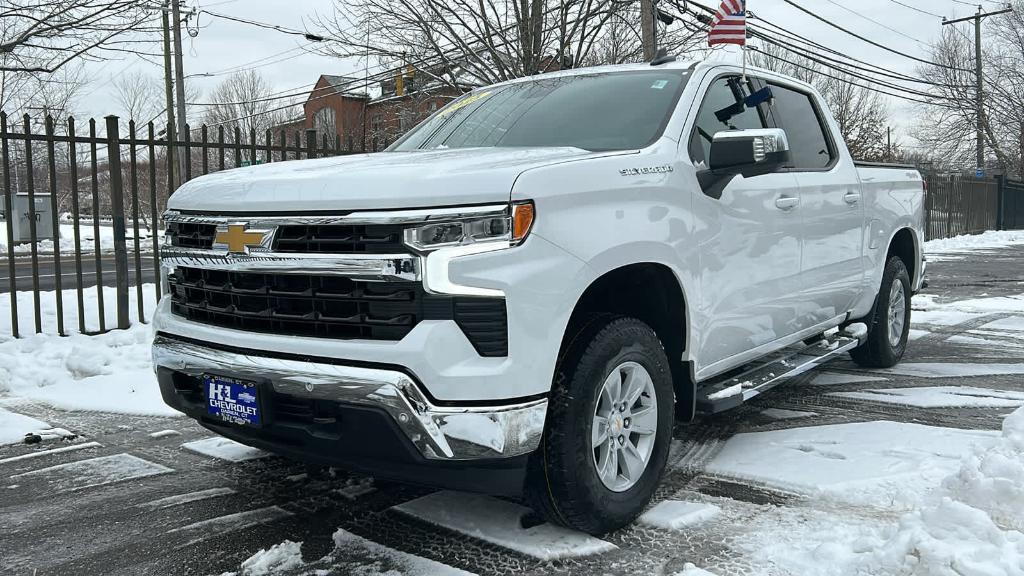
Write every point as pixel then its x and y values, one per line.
pixel 719 97
pixel 810 147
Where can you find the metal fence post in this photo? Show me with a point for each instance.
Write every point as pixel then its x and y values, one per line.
pixel 117 210
pixel 1000 199
pixel 310 143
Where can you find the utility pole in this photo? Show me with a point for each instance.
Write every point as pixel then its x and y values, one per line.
pixel 179 83
pixel 171 128
pixel 647 30
pixel 980 87
pixel 888 143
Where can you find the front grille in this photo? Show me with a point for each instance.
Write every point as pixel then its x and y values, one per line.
pixel 331 307
pixel 320 306
pixel 340 239
pixel 191 235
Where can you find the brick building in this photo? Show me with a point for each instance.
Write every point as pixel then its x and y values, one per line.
pixel 340 107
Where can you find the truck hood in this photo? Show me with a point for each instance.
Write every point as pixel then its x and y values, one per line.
pixel 384 180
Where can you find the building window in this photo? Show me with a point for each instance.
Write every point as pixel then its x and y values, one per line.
pixel 324 123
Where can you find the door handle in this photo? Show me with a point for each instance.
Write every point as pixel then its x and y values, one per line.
pixel 852 197
pixel 786 202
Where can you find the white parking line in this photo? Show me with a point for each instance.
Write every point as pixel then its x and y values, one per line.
pixel 53 451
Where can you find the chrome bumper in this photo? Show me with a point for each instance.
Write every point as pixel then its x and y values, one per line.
pixel 438 432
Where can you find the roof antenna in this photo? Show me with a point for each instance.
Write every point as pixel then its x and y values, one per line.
pixel 662 57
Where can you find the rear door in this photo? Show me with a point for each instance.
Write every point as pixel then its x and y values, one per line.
pixel 750 239
pixel 830 204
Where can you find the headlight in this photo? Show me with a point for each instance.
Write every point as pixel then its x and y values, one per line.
pixel 511 226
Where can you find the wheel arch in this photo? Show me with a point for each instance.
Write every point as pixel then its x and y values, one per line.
pixel 904 245
pixel 652 293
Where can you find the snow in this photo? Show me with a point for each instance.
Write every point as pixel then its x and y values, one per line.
pixel 500 522
pixel 215 527
pixel 1013 324
pixel 928 311
pixel 692 570
pixel 109 372
pixel 966 524
pixel 780 414
pixel 48 308
pixel 284 556
pixel 41 453
pixel 179 499
pixel 677 514
pixel 953 248
pixel 14 426
pixel 86 239
pixel 952 369
pixel 371 557
pixel 164 434
pixel 982 342
pixel 915 334
pixel 877 463
pixel 835 378
pixel 224 449
pixel 940 397
pixel 93 472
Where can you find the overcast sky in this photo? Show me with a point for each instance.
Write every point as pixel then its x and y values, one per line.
pixel 222 45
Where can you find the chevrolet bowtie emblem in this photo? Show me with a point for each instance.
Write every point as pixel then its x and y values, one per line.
pixel 238 240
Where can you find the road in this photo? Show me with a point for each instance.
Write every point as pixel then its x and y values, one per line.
pixel 48 279
pixel 135 503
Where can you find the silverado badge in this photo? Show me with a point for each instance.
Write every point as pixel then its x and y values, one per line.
pixel 238 240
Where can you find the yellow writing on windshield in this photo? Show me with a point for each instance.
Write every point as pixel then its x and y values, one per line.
pixel 463 103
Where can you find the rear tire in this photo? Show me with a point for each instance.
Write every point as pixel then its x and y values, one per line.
pixel 889 325
pixel 576 477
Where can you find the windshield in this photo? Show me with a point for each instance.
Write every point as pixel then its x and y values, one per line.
pixel 609 111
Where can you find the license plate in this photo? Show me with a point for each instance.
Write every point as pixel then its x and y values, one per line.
pixel 232 400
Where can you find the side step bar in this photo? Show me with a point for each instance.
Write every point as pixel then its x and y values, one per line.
pixel 730 391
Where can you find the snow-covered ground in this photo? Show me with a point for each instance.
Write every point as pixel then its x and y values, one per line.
pixel 87 239
pixel 958 246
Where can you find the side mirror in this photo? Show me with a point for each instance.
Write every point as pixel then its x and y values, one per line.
pixel 749 152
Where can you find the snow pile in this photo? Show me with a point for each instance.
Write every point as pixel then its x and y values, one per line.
pixel 986 241
pixel 1000 304
pixel 972 525
pixel 678 515
pixel 90 301
pixel 993 480
pixel 966 523
pixel 280 557
pixel 109 372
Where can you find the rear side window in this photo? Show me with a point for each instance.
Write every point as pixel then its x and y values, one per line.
pixel 719 97
pixel 810 148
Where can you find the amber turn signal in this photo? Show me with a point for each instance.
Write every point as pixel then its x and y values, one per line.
pixel 522 220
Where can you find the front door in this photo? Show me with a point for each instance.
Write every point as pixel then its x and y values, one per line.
pixel 750 247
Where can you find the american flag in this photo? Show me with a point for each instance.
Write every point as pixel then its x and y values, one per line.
pixel 729 25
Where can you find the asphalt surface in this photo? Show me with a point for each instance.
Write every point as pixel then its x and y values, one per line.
pixel 54 522
pixel 48 277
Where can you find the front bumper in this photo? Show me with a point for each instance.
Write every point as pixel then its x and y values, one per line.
pixel 436 432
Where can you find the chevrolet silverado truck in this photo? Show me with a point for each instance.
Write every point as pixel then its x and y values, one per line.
pixel 524 294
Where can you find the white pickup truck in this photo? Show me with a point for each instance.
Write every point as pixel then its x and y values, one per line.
pixel 527 291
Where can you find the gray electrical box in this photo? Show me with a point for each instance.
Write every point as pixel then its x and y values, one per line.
pixel 20 218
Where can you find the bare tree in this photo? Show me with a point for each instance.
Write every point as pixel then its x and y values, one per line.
pixel 950 128
pixel 862 114
pixel 475 42
pixel 139 95
pixel 243 101
pixel 43 36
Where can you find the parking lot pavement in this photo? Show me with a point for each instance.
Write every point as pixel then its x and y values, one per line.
pixel 151 495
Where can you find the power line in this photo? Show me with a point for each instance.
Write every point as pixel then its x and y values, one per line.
pixel 863 39
pixel 872 20
pixel 916 9
pixel 307 35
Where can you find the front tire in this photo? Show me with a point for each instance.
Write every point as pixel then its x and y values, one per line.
pixel 889 326
pixel 608 431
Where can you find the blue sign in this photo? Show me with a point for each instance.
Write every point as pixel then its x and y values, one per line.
pixel 979 172
pixel 232 400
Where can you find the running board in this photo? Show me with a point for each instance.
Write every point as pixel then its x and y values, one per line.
pixel 754 379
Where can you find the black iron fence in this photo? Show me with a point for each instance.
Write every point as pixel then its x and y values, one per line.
pixel 956 205
pixel 78 203
pixel 1011 213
